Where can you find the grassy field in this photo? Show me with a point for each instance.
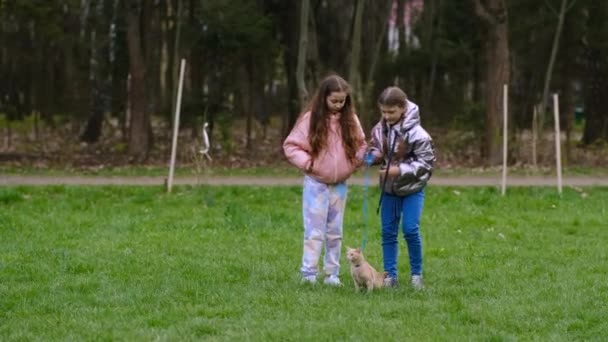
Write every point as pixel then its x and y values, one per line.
pixel 221 263
pixel 282 169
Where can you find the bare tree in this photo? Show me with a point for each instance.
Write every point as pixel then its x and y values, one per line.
pixel 176 52
pixel 140 133
pixel 432 39
pixel 493 14
pixel 353 74
pixel 303 92
pixel 374 34
pixel 596 69
pixel 549 72
pixel 97 81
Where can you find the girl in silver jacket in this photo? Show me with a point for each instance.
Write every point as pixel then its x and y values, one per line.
pixel 405 150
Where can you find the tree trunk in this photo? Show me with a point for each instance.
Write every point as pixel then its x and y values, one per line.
pixel 167 58
pixel 367 111
pixel 302 91
pixel 596 98
pixel 139 138
pixel 596 95
pixel 244 89
pixel 570 73
pixel 355 57
pixel 151 31
pixel 494 16
pixel 289 18
pixel 119 72
pixel 549 71
pixel 94 124
pixel 9 135
pixel 433 42
pixel 176 53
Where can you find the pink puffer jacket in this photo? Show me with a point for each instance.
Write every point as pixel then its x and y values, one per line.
pixel 331 165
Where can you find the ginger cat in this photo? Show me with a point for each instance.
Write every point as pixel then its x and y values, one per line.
pixel 364 275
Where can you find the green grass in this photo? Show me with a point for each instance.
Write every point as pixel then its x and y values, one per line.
pixel 221 263
pixel 572 171
pixel 282 169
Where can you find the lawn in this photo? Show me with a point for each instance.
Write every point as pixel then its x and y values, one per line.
pixel 280 169
pixel 221 263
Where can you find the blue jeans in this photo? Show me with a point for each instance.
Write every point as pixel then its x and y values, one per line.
pixel 393 208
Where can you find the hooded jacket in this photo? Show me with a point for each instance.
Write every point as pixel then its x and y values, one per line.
pixel 331 166
pixel 407 145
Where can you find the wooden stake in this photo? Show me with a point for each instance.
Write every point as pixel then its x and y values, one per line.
pixel 534 136
pixel 505 133
pixel 558 152
pixel 178 105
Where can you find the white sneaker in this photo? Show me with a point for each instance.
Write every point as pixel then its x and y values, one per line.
pixel 332 280
pixel 311 279
pixel 391 282
pixel 417 282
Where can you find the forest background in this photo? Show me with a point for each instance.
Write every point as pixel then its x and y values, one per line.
pixel 93 83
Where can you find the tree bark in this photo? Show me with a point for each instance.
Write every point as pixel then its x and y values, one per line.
pixel 549 71
pixel 355 57
pixel 176 53
pixel 596 98
pixel 570 74
pixel 596 95
pixel 433 41
pixel 302 91
pixel 494 16
pixel 289 18
pixel 139 138
pixel 244 76
pixel 151 33
pixel 94 124
pixel 367 103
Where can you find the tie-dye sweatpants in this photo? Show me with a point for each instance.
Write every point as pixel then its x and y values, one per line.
pixel 323 211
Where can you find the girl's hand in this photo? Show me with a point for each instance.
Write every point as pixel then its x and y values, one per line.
pixel 312 163
pixel 393 171
pixel 368 159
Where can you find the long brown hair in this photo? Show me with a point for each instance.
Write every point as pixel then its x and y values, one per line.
pixel 320 115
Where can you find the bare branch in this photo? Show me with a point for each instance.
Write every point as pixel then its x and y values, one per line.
pixel 571 5
pixel 551 8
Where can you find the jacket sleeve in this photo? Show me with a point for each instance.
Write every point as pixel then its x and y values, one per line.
pixel 375 144
pixel 296 146
pixel 420 165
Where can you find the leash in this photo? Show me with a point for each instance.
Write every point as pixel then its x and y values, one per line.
pixel 369 158
pixel 388 165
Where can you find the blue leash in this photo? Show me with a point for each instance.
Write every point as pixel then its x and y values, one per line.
pixel 368 162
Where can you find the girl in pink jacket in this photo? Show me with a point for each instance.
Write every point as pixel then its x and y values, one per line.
pixel 328 144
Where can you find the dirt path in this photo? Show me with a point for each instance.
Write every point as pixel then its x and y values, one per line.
pixel 6 180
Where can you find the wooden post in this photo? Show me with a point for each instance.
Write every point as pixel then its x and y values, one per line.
pixel 558 152
pixel 534 136
pixel 178 105
pixel 505 134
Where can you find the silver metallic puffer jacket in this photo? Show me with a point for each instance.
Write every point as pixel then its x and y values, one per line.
pixel 412 151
